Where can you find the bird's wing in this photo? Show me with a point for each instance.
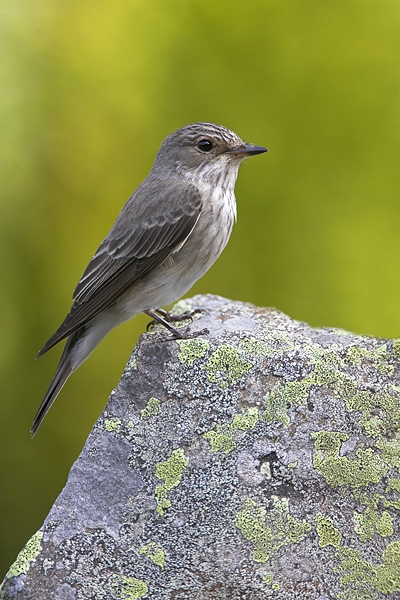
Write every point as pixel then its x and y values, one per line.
pixel 141 239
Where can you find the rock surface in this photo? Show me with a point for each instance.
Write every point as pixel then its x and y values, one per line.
pixel 256 460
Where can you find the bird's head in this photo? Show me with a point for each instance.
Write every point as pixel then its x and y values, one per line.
pixel 203 150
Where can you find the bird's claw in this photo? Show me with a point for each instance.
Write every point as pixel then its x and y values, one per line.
pixel 182 317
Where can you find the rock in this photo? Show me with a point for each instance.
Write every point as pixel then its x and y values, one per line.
pixel 256 460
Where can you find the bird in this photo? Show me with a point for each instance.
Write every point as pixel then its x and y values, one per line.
pixel 167 235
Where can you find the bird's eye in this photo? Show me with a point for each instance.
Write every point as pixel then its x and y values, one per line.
pixel 204 145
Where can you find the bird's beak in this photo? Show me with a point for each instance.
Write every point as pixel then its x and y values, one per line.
pixel 247 150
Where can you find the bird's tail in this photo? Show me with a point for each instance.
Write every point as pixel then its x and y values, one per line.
pixel 64 370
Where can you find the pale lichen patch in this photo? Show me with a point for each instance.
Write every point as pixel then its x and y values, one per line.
pixel 191 350
pixel 396 348
pixel 171 472
pixel 225 366
pixel 127 588
pixel 221 439
pixel 268 532
pixel 112 425
pixel 361 579
pixel 369 522
pixel 369 466
pixel 155 553
pixel 27 555
pixel 151 409
pixel 328 534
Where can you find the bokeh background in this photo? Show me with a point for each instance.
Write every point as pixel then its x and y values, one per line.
pixel 92 88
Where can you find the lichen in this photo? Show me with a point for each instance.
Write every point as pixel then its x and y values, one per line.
pixel 132 362
pixel 328 535
pixel 369 522
pixel 268 532
pixel 378 357
pixel 180 308
pixel 388 572
pixel 357 576
pixel 171 472
pixel 384 402
pixel 113 425
pixel 276 586
pixel 276 406
pixel 268 579
pixel 396 348
pixel 151 409
pixel 191 350
pixel 278 400
pixel 363 580
pixel 222 438
pixel 127 588
pixel 255 347
pixel 369 466
pixel 27 555
pixel 393 484
pixel 225 366
pixel 154 552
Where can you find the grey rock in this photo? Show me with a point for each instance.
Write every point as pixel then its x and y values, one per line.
pixel 257 460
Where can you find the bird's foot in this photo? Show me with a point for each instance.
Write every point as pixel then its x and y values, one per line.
pixel 182 317
pixel 161 316
pixel 184 334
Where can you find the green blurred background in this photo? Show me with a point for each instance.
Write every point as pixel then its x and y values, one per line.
pixel 92 87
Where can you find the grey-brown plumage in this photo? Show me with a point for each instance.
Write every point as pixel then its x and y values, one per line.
pixel 168 234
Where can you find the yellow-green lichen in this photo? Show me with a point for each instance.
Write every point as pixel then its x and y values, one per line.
pixel 222 438
pixel 154 552
pixel 393 484
pixel 27 555
pixel 329 371
pixel 127 588
pixel 225 366
pixel 279 344
pixel 171 472
pixel 254 347
pixel 362 580
pixel 276 406
pixel 388 572
pixel 278 400
pixel 383 401
pixel 180 308
pixel 396 348
pixel 268 532
pixel 151 409
pixel 269 580
pixel 191 350
pixel 369 522
pixel 276 586
pixel 113 425
pixel 328 535
pixel 378 357
pixel 369 466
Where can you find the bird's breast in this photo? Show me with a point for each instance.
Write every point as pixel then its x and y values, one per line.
pixel 174 278
pixel 211 232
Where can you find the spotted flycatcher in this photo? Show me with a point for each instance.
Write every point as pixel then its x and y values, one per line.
pixel 168 234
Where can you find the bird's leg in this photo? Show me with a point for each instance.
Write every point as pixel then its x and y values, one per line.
pixel 160 319
pixel 180 335
pixel 182 317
